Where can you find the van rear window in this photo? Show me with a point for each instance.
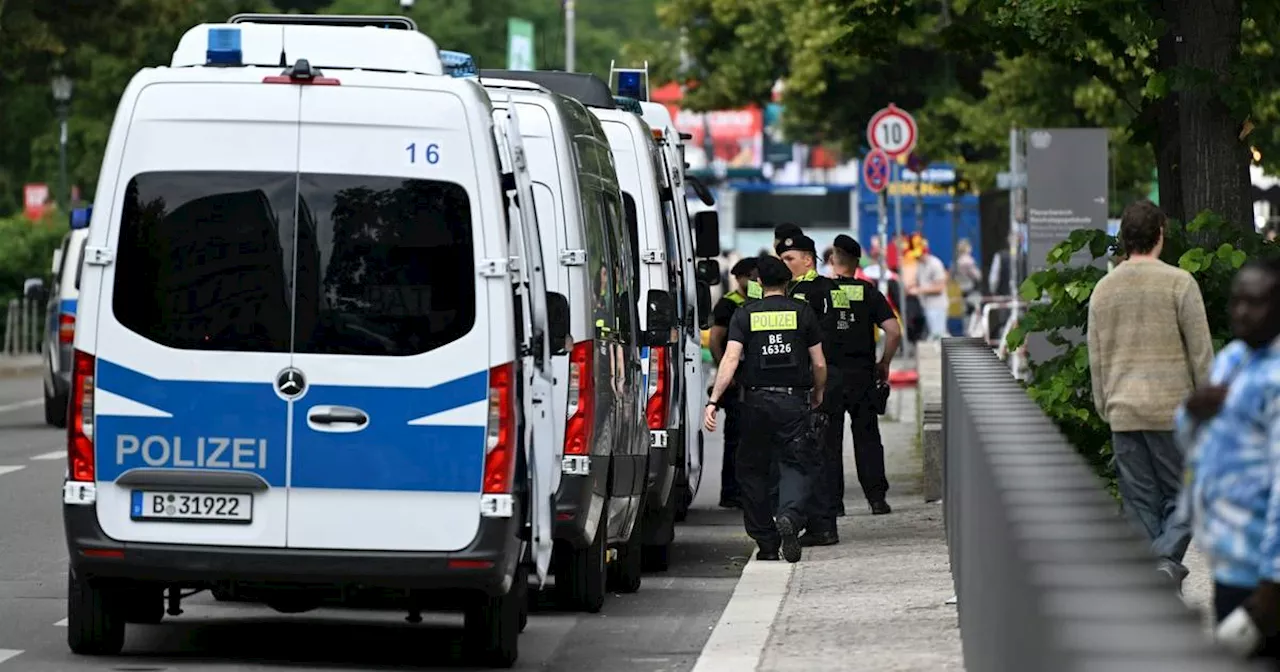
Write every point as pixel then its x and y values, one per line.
pixel 375 266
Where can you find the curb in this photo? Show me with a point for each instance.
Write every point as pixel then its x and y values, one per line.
pixel 737 641
pixel 21 370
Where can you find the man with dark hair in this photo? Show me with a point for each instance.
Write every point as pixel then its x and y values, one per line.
pixel 1231 427
pixel 859 309
pixel 777 342
pixel 744 273
pixel 1149 346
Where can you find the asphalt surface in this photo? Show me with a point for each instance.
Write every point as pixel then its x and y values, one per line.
pixel 662 628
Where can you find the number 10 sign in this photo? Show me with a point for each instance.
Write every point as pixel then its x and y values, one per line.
pixel 892 130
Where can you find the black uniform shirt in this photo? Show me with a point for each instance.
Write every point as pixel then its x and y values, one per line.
pixel 776 333
pixel 820 293
pixel 859 308
pixel 725 308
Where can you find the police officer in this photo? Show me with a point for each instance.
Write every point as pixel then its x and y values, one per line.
pixel 800 255
pixel 744 275
pixel 859 309
pixel 777 342
pixel 784 231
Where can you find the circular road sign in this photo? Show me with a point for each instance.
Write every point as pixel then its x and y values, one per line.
pixel 876 170
pixel 893 130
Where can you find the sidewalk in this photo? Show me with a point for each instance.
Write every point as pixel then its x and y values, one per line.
pixel 876 601
pixel 14 366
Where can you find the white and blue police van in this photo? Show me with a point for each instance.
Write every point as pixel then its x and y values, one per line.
pixel 698 239
pixel 312 351
pixel 599 391
pixel 60 318
pixel 660 279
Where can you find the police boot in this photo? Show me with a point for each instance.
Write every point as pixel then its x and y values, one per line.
pixel 816 538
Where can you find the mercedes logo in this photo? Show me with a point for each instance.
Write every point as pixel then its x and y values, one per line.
pixel 291 383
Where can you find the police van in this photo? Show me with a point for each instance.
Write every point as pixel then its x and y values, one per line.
pixel 699 241
pixel 660 276
pixel 313 342
pixel 594 263
pixel 60 318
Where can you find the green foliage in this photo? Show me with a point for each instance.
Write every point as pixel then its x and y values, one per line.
pixel 1209 248
pixel 26 252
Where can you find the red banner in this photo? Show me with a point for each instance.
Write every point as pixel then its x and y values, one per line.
pixel 736 135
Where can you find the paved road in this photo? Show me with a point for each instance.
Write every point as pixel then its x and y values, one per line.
pixel 659 629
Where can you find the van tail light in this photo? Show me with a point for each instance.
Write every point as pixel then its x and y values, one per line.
pixel 66 328
pixel 655 410
pixel 80 421
pixel 582 400
pixel 500 431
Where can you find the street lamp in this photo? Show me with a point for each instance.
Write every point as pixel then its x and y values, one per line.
pixel 62 89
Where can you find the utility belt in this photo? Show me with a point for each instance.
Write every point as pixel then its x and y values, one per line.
pixel 793 391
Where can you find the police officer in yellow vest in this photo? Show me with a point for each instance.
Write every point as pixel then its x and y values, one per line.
pixel 777 343
pixel 744 276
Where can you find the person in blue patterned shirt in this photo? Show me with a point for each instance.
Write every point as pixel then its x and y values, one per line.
pixel 1232 429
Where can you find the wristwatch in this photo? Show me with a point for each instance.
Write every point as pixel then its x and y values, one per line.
pixel 713 402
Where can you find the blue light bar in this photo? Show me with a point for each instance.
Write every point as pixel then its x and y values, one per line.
pixel 224 47
pixel 631 85
pixel 80 217
pixel 458 64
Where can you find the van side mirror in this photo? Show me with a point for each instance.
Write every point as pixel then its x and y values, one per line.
pixel 660 317
pixel 708 271
pixel 704 305
pixel 706 231
pixel 558 322
pixel 34 289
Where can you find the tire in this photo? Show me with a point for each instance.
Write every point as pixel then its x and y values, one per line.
pixel 627 572
pixel 55 410
pixel 683 497
pixel 581 578
pixel 222 594
pixel 95 619
pixel 145 606
pixel 492 625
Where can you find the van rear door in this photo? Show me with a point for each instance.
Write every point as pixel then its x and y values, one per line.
pixel 391 333
pixel 192 317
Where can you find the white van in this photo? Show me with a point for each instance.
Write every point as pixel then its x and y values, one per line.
pixel 60 318
pixel 295 372
pixel 599 391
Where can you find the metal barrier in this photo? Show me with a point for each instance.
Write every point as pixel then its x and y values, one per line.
pixel 1048 576
pixel 24 327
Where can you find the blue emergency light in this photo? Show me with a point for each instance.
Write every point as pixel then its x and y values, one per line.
pixel 224 47
pixel 458 64
pixel 631 84
pixel 80 217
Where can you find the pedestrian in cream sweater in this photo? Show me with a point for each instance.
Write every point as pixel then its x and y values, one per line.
pixel 1149 347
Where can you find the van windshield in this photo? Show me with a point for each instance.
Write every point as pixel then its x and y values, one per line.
pixel 206 261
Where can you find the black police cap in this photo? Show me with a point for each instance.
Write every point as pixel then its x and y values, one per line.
pixel 848 245
pixel 773 273
pixel 787 230
pixel 800 242
pixel 743 268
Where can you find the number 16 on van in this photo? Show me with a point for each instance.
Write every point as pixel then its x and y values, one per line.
pixel 430 153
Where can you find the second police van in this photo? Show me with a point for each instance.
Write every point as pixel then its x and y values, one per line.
pixel 592 261
pixel 313 345
pixel 60 329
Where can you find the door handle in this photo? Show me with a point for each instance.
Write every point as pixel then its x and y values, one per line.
pixel 337 419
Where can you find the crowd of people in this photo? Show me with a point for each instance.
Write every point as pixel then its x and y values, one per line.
pixel 1196 437
pixel 796 351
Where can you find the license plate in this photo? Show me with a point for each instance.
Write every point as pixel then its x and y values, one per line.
pixel 199 507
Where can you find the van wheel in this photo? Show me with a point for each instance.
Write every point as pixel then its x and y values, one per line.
pixel 144 605
pixel 492 624
pixel 55 410
pixel 222 593
pixel 627 571
pixel 95 620
pixel 580 572
pixel 657 558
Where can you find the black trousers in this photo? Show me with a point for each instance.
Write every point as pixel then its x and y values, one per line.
pixel 774 456
pixel 1225 600
pixel 732 405
pixel 849 392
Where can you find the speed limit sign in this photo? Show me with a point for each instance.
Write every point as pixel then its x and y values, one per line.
pixel 892 130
